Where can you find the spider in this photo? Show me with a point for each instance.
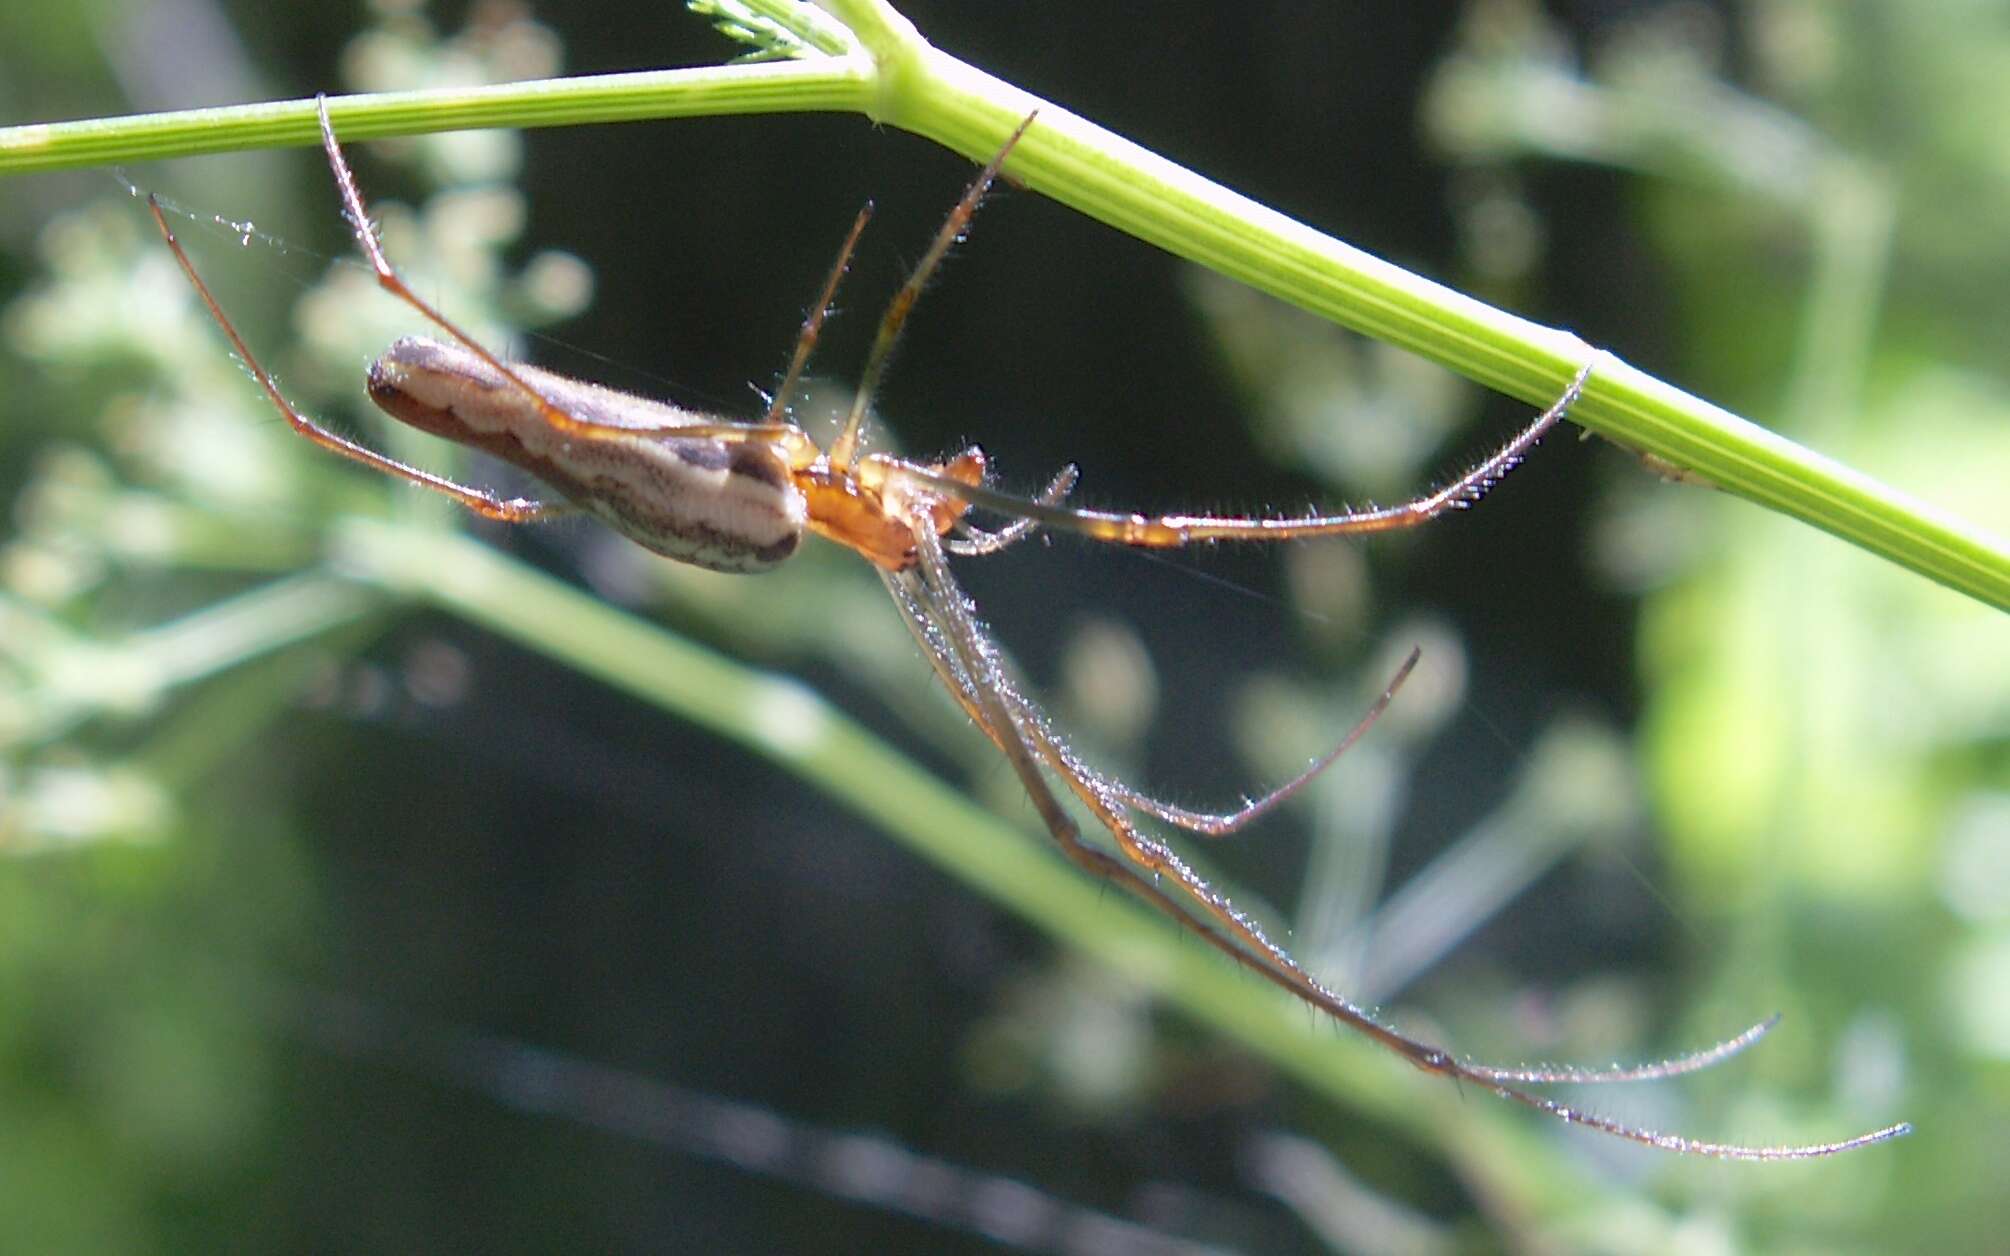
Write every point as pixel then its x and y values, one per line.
pixel 737 497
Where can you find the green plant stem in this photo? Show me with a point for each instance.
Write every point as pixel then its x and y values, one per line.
pixel 899 79
pixel 827 84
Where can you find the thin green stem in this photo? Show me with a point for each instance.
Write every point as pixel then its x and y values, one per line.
pixel 899 79
pixel 79 678
pixel 826 84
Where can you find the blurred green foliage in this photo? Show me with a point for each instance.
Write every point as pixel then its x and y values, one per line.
pixel 1814 784
pixel 1826 739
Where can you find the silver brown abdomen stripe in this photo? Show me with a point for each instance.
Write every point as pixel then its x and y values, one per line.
pixel 728 506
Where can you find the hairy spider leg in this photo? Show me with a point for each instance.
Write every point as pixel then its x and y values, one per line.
pixel 813 322
pixel 482 502
pixel 1173 531
pixel 942 620
pixel 845 449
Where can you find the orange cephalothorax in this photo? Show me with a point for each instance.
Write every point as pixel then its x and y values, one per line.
pixel 867 509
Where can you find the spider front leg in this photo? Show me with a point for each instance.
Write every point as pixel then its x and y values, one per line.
pixel 1174 531
pixel 553 416
pixel 482 502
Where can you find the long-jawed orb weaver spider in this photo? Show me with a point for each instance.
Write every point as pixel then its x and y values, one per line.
pixel 737 497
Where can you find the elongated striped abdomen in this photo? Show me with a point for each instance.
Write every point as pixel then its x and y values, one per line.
pixel 726 505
